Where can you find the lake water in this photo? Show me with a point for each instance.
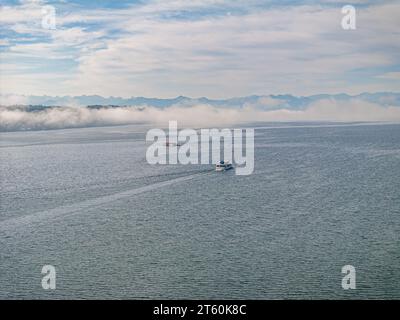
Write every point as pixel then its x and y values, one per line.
pixel 86 201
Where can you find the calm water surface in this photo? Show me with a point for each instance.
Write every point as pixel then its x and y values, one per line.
pixel 86 201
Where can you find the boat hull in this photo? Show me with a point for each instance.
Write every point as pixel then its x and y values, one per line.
pixel 221 169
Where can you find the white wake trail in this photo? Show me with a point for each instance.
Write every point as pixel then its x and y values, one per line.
pixel 10 225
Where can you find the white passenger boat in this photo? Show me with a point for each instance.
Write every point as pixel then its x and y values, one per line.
pixel 223 166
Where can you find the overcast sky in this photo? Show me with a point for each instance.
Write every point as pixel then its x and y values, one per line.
pixel 213 48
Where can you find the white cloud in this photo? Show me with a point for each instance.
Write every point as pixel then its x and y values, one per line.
pixel 391 76
pixel 4 42
pixel 355 110
pixel 270 50
pixel 13 99
pixel 19 13
pixel 138 51
pixel 197 116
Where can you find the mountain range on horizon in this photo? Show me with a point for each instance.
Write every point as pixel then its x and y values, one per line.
pixel 45 112
pixel 268 102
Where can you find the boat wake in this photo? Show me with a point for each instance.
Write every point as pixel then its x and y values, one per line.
pixel 9 226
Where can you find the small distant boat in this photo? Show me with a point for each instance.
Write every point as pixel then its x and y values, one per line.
pixel 223 166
